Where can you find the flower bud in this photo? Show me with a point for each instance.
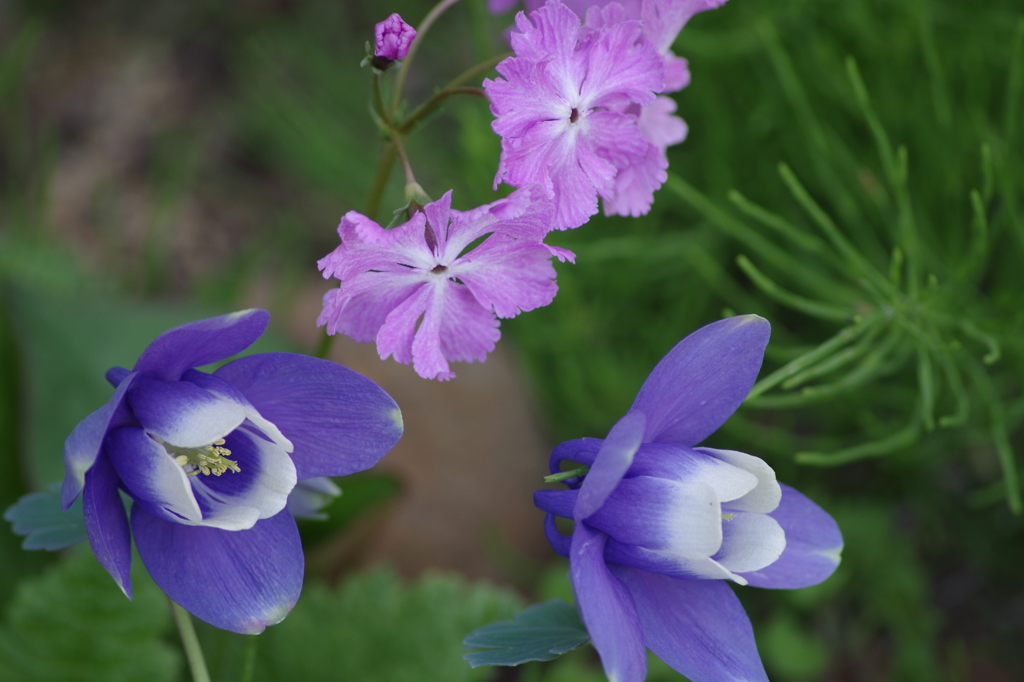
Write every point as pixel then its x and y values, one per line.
pixel 392 39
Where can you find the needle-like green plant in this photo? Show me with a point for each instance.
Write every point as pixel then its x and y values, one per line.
pixel 910 292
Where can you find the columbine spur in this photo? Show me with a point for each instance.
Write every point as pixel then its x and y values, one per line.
pixel 209 460
pixel 661 524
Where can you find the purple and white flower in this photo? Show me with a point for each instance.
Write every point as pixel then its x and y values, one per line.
pixel 392 38
pixel 426 293
pixel 563 106
pixel 661 524
pixel 210 460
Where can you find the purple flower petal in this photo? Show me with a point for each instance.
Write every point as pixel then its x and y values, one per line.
pixel 240 581
pixel 696 626
pixel 762 499
pixel 558 502
pixel 525 214
pixel 658 124
pixel 107 524
pixel 310 496
pixel 813 545
pixel 668 563
pixel 339 421
pixel 579 451
pixel 236 500
pixel 115 375
pixel 467 330
pixel 200 343
pixel 686 465
pixel 399 331
pixel 664 19
pixel 679 519
pixel 635 184
pixel 607 608
pixel 749 541
pixel 701 382
pixel 509 276
pixel 82 447
pixel 611 463
pixel 151 476
pixel 560 543
pixel 360 307
pixel 183 414
pixel 219 387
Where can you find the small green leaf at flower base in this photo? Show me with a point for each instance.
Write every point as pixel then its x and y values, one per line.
pixel 39 518
pixel 540 633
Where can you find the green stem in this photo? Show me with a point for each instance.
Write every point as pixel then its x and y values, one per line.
pixel 380 180
pixel 432 103
pixel 249 665
pixel 323 346
pixel 566 475
pixel 396 142
pixel 421 32
pixel 472 72
pixel 378 99
pixel 190 642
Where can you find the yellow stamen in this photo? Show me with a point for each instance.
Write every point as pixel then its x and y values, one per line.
pixel 210 459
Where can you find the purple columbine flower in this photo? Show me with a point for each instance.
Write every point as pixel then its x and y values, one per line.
pixel 425 272
pixel 661 524
pixel 562 106
pixel 392 38
pixel 209 461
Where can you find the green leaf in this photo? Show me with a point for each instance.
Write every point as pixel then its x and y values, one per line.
pixel 72 624
pixel 44 524
pixel 374 627
pixel 540 633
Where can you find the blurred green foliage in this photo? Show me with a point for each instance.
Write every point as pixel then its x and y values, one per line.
pixel 375 628
pixel 74 625
pixel 853 173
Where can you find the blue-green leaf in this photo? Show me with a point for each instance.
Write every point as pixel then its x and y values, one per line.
pixel 540 633
pixel 44 524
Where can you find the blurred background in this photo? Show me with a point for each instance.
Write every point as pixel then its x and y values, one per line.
pixel 165 161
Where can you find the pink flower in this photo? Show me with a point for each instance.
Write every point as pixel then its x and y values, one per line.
pixel 563 103
pixel 392 38
pixel 662 22
pixel 424 295
pixel 631 192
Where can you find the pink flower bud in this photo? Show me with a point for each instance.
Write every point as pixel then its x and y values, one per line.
pixel 392 38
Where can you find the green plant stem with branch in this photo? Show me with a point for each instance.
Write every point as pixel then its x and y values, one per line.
pixel 395 131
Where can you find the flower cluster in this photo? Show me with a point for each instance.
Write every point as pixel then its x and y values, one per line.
pixel 580 118
pixel 576 107
pixel 660 523
pixel 211 463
